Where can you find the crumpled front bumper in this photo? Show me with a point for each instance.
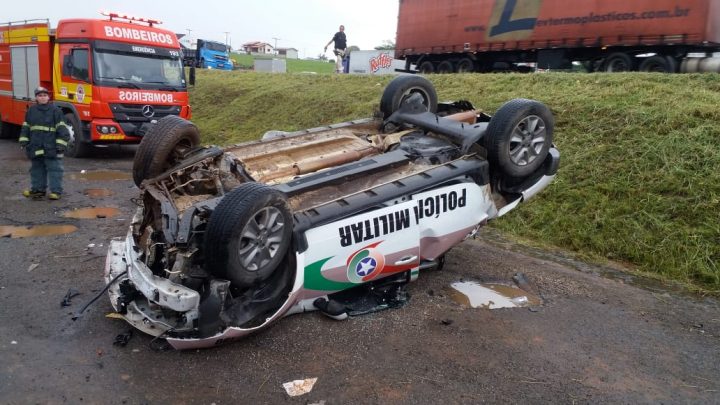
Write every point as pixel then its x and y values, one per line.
pixel 152 304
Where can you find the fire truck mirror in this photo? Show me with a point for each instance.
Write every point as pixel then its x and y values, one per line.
pixel 191 78
pixel 67 65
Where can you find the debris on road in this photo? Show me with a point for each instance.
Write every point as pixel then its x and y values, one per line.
pixel 33 266
pixel 123 338
pixel 299 387
pixel 71 293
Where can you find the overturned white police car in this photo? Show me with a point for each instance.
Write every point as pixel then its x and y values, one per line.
pixel 227 241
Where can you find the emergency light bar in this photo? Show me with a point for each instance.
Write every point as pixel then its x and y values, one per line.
pixel 128 17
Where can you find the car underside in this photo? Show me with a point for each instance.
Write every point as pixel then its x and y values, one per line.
pixel 228 240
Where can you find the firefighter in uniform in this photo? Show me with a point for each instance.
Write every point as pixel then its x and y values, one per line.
pixel 44 137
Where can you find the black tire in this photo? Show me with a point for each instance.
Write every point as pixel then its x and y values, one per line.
pixel 519 136
pixel 77 147
pixel 619 62
pixel 426 67
pixel 248 234
pixel 163 146
pixel 402 87
pixel 659 64
pixel 445 67
pixel 465 65
pixel 9 131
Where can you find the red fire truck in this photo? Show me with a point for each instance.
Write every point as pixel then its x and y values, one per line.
pixel 112 77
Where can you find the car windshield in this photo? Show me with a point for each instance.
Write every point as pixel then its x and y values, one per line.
pixel 120 69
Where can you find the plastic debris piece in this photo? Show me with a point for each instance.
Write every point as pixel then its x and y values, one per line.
pixel 33 267
pixel 14 342
pixel 299 387
pixel 69 296
pixel 114 315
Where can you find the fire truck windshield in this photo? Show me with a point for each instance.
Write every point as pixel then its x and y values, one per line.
pixel 121 69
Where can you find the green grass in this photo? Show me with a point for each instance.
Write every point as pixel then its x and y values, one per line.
pixel 639 179
pixel 293 65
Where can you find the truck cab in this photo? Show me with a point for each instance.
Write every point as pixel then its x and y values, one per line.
pixel 213 55
pixel 112 78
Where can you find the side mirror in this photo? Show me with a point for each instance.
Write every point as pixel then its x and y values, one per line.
pixel 191 78
pixel 67 66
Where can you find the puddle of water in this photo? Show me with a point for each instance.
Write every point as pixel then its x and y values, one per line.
pixel 33 231
pixel 90 213
pixel 100 175
pixel 491 296
pixel 97 192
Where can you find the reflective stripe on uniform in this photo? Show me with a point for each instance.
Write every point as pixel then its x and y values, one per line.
pixel 39 152
pixel 25 124
pixel 60 142
pixel 41 128
pixel 23 139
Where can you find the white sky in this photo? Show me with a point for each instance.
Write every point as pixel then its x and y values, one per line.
pixel 306 25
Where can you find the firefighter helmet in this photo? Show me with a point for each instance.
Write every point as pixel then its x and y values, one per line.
pixel 40 90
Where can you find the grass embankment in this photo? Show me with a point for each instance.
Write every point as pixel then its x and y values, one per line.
pixel 639 179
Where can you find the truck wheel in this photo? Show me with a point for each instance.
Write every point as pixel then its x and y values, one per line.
pixel 77 146
pixel 519 136
pixel 445 67
pixel 619 62
pixel 466 65
pixel 404 86
pixel 163 146
pixel 426 67
pixel 248 234
pixel 659 63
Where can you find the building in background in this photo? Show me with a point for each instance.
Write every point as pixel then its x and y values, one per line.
pixel 257 47
pixel 288 53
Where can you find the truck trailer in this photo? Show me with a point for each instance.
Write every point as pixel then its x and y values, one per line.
pixel 510 35
pixel 111 77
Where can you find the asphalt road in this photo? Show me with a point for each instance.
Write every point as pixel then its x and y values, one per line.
pixel 598 337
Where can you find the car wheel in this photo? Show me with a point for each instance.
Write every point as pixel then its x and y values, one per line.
pixel 619 62
pixel 659 64
pixel 77 147
pixel 248 234
pixel 519 136
pixel 402 87
pixel 163 146
pixel 426 67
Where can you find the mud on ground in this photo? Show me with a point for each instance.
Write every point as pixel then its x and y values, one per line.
pixel 593 340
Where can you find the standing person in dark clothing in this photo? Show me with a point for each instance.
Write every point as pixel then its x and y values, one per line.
pixel 44 137
pixel 340 47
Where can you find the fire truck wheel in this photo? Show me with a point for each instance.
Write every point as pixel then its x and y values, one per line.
pixel 402 87
pixel 163 146
pixel 248 234
pixel 8 131
pixel 77 147
pixel 519 136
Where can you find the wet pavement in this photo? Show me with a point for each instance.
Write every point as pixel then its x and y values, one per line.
pixel 591 339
